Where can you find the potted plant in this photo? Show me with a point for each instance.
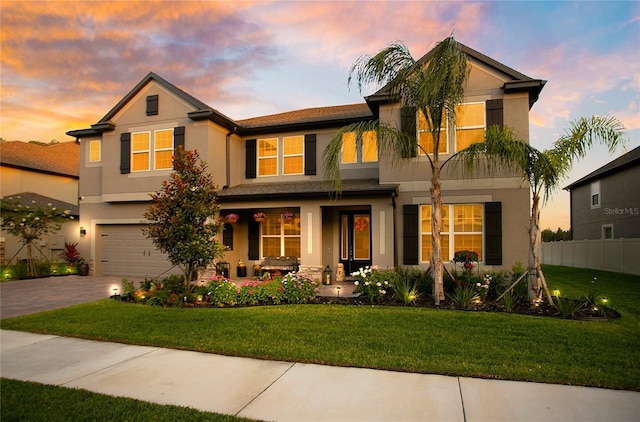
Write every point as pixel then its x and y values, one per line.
pixel 259 216
pixel 232 218
pixel 287 216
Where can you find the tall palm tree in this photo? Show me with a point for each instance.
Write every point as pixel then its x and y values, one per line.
pixel 543 170
pixel 434 86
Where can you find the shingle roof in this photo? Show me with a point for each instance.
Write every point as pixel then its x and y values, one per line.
pixel 306 189
pixel 60 159
pixel 630 159
pixel 308 115
pixel 28 198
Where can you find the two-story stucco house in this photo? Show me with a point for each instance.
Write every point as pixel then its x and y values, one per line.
pixel 605 204
pixel 273 164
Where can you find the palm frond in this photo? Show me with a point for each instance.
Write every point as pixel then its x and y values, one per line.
pixel 582 136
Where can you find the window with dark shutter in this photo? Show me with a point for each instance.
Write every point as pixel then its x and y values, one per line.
pixel 494 111
pixel 254 240
pixel 178 138
pixel 125 153
pixel 410 234
pixel 310 154
pixel 493 233
pixel 251 157
pixel 408 126
pixel 152 105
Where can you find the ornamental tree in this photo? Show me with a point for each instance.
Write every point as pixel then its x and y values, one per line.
pixel 30 223
pixel 182 217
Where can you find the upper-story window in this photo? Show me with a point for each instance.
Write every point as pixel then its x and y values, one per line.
pixel 268 157
pixel 595 194
pixel 286 156
pixel 368 152
pixel 157 144
pixel 469 128
pixel 95 151
pixel 293 154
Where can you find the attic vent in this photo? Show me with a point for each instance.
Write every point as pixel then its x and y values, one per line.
pixel 152 105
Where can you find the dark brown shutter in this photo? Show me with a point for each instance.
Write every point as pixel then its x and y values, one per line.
pixel 251 151
pixel 310 154
pixel 152 105
pixel 227 236
pixel 408 126
pixel 178 138
pixel 125 153
pixel 254 240
pixel 494 110
pixel 410 234
pixel 493 233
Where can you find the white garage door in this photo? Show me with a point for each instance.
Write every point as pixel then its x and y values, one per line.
pixel 125 252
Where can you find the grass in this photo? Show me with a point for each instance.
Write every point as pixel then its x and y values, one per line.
pixel 488 345
pixel 51 404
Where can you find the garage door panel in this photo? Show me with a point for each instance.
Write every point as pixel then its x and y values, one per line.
pixel 126 252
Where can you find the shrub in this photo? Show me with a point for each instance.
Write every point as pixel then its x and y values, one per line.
pixel 298 288
pixel 371 283
pixel 462 296
pixel 567 307
pixel 405 289
pixel 509 301
pixel 222 292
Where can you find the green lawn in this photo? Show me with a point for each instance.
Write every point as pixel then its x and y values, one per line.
pixel 491 345
pixel 50 404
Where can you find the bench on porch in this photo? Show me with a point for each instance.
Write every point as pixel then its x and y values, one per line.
pixel 279 263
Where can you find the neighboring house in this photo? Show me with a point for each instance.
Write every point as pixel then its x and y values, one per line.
pixel 40 174
pixel 605 204
pixel 274 164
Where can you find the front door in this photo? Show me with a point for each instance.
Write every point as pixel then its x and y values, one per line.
pixel 355 240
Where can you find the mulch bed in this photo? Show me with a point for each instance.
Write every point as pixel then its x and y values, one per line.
pixel 523 307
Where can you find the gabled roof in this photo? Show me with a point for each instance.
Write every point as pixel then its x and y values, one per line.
pixel 201 110
pixel 62 159
pixel 630 159
pixel 28 198
pixel 317 116
pixel 518 82
pixel 306 189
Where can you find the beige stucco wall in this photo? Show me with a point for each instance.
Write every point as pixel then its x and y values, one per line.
pixel 13 181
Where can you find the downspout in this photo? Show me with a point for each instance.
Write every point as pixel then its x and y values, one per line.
pixel 228 157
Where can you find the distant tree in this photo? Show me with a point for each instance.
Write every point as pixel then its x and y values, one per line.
pixel 183 219
pixel 30 223
pixel 549 235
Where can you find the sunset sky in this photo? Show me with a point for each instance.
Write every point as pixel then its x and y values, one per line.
pixel 64 65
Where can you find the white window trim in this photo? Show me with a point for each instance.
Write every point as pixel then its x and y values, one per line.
pixel 155 150
pixel 99 151
pixel 148 151
pixel 451 231
pixel 483 126
pixel 606 226
pixel 284 139
pixel 595 191
pixel 421 153
pixel 276 156
pixel 282 236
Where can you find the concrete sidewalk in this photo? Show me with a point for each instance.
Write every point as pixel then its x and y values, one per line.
pixel 284 391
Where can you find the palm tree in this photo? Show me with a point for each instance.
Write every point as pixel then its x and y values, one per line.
pixel 543 170
pixel 434 86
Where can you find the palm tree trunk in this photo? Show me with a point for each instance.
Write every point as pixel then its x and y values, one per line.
pixel 436 243
pixel 537 282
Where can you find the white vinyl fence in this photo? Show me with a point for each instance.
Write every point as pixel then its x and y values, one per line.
pixel 619 255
